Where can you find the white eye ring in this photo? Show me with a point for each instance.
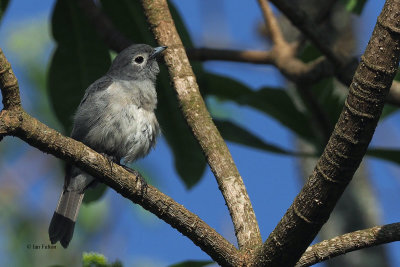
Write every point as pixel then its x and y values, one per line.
pixel 139 59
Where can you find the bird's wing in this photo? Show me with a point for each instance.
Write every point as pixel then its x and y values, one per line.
pixel 86 113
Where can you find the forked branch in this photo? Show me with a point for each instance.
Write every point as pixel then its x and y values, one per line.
pixel 346 147
pixel 199 120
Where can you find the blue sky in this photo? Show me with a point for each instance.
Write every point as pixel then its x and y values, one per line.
pixel 134 236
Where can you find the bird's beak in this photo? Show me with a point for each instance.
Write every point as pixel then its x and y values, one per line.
pixel 157 51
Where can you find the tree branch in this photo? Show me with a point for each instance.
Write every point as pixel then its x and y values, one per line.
pixel 9 89
pixel 343 244
pixel 292 68
pixel 295 70
pixel 199 120
pixel 248 56
pixel 272 24
pixel 16 122
pixel 345 149
pixel 343 70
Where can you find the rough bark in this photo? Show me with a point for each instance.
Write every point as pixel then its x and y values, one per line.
pixel 16 122
pixel 345 149
pixel 350 242
pixel 199 120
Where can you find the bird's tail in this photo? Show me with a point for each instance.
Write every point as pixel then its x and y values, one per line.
pixel 63 222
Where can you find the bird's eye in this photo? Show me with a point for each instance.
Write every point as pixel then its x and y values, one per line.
pixel 139 59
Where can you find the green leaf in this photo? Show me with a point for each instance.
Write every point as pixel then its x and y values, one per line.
pixel 237 134
pixel 273 102
pixel 387 111
pixel 322 104
pixel 192 264
pixel 93 259
pixel 94 194
pixel 355 6
pixel 223 87
pixel 328 99
pixel 309 53
pixel 128 17
pixel 390 109
pixel 392 155
pixel 279 105
pixel 80 58
pixel 3 7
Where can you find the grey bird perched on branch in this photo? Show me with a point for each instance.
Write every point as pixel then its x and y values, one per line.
pixel 116 118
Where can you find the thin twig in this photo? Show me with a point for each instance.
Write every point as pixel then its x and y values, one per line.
pixel 199 120
pixel 272 24
pixel 249 56
pixel 296 70
pixel 343 244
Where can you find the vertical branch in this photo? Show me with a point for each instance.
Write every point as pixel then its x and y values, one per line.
pixel 199 120
pixel 346 147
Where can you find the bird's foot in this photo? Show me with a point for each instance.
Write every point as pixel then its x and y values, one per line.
pixel 137 174
pixel 110 159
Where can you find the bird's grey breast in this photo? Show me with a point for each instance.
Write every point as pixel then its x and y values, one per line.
pixel 125 124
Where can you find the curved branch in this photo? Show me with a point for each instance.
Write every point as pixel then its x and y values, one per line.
pixel 345 149
pixel 16 122
pixel 199 120
pixel 9 88
pixel 349 242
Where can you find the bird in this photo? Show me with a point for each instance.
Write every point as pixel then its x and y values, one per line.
pixel 115 118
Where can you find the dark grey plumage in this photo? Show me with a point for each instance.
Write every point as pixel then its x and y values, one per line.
pixel 115 117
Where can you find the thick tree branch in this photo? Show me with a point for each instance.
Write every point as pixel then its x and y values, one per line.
pixel 11 98
pixel 199 120
pixel 345 149
pixel 16 122
pixel 350 242
pixel 343 70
